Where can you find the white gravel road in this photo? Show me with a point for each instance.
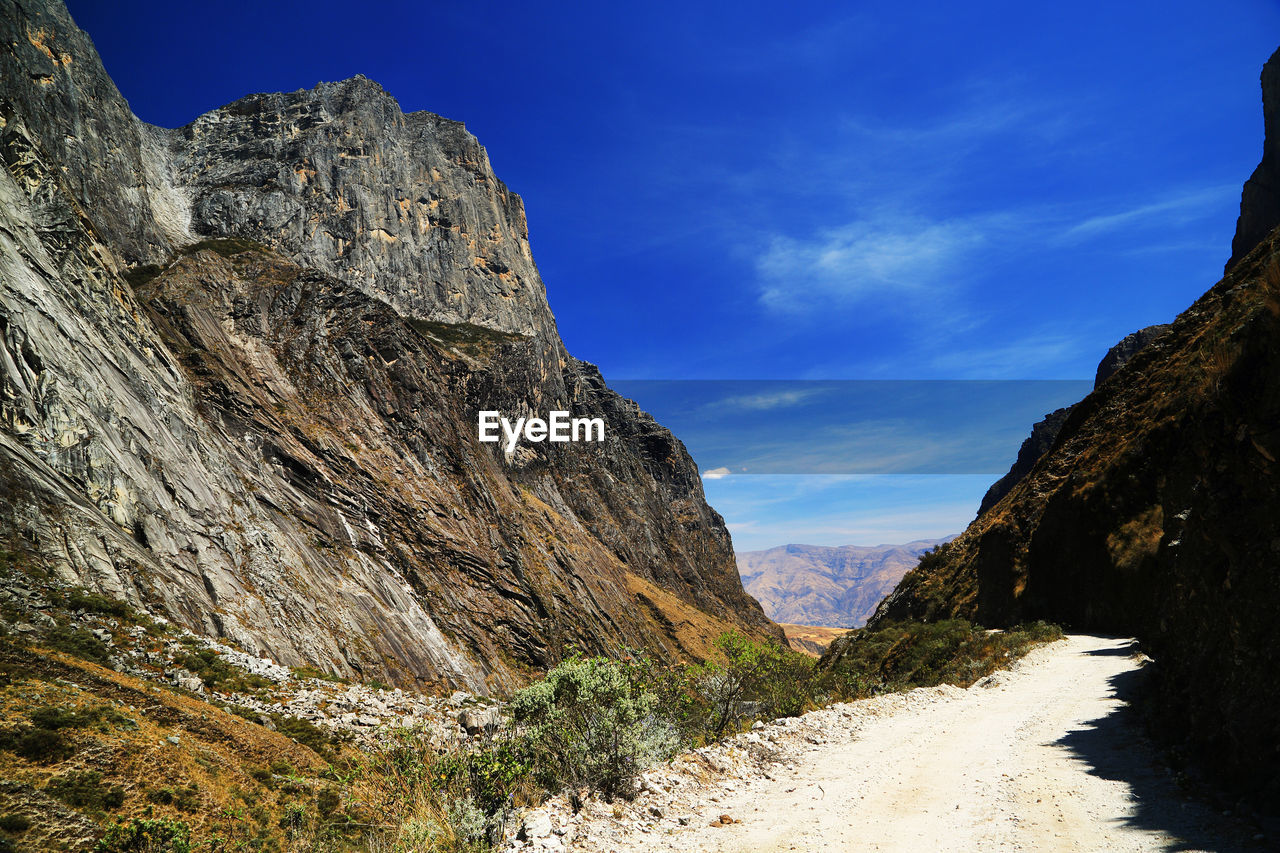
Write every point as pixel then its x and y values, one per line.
pixel 1038 758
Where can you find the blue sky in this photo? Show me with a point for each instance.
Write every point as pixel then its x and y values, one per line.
pixel 802 191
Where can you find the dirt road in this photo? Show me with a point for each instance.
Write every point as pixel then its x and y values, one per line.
pixel 1039 758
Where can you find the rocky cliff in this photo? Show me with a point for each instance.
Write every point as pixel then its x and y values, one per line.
pixel 240 367
pixel 1260 199
pixel 1045 432
pixel 835 587
pixel 1155 515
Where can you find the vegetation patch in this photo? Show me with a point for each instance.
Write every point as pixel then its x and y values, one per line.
pixel 225 246
pixel 84 789
pixel 146 836
pixel 465 336
pixel 77 642
pixel 591 725
pixel 217 674
pixel 907 655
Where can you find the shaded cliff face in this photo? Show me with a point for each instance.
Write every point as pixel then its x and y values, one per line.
pixel 270 435
pixel 1155 514
pixel 1260 199
pixel 1045 432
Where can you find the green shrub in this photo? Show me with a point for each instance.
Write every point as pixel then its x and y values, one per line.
pixel 56 717
pixel 186 798
pixel 14 823
pixel 44 746
pixel 590 725
pixel 217 674
pixel 146 836
pixel 490 775
pixel 756 680
pixel 306 733
pixel 327 801
pixel 83 789
pixel 78 642
pixel 923 654
pixel 315 672
pixel 93 602
pixel 225 246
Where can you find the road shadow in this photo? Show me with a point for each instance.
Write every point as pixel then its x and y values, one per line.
pixel 1116 651
pixel 1116 747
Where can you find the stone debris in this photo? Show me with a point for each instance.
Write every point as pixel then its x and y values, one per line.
pixel 359 712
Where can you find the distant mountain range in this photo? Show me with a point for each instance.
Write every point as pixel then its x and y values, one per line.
pixel 835 587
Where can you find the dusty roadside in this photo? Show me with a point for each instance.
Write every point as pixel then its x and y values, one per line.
pixel 1039 757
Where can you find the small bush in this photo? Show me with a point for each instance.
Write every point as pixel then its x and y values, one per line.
pixel 56 717
pixel 14 823
pixel 592 726
pixel 924 654
pixel 225 246
pixel 327 801
pixel 79 643
pixel 93 602
pixel 44 746
pixel 217 674
pixel 186 799
pixel 146 836
pixel 294 819
pixel 756 680
pixel 85 790
pixel 490 776
pixel 316 672
pixel 306 733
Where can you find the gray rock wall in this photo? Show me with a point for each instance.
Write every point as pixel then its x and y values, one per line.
pixel 240 365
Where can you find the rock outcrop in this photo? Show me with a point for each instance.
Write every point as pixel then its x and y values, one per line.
pixel 1260 199
pixel 240 368
pixel 1045 432
pixel 1155 515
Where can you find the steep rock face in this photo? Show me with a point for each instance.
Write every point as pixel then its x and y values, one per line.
pixel 273 439
pixel 1045 432
pixel 1260 199
pixel 836 587
pixel 340 180
pixel 1155 514
pixel 54 84
pixel 1129 346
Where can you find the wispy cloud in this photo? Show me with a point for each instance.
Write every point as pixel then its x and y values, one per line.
pixel 1188 205
pixel 884 259
pixel 716 474
pixel 1028 355
pixel 768 400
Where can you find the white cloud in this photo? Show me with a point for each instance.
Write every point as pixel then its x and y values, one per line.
pixel 715 474
pixel 884 258
pixel 1027 356
pixel 766 401
pixel 1186 206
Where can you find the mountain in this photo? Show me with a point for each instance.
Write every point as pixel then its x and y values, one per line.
pixel 833 587
pixel 1157 513
pixel 240 369
pixel 1045 432
pixel 1260 199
